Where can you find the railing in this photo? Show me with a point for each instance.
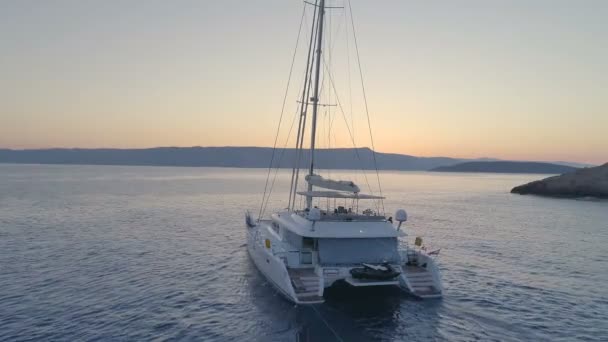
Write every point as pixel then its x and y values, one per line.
pixel 342 216
pixel 352 217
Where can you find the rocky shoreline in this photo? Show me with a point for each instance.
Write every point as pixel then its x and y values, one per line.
pixel 586 182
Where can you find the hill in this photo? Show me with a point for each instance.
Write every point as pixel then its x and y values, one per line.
pixel 506 167
pixel 587 182
pixel 249 157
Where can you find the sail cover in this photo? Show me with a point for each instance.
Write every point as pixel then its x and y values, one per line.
pixel 339 185
pixel 337 194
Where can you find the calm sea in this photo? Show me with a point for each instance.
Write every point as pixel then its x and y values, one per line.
pixel 158 253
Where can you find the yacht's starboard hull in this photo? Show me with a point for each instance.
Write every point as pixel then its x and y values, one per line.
pixel 274 269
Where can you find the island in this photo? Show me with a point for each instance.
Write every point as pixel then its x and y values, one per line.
pixel 586 182
pixel 506 167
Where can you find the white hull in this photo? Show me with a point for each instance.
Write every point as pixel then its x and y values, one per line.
pixel 423 282
pixel 270 266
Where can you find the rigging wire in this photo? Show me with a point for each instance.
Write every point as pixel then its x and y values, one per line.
pixel 348 128
pixel 330 48
pixel 348 68
pixel 301 126
pixel 328 108
pixel 302 122
pixel 349 81
pixel 295 174
pixel 293 59
pixel 274 178
pixel 365 101
pixel 307 97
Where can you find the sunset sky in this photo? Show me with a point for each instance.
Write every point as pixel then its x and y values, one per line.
pixel 524 80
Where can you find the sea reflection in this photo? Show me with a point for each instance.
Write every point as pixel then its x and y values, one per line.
pixel 359 314
pixel 113 253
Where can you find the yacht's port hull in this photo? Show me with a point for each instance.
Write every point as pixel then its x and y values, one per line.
pixel 273 268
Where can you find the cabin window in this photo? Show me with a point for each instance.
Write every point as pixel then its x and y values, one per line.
pixel 351 250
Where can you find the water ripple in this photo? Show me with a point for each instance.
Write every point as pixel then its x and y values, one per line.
pixel 145 253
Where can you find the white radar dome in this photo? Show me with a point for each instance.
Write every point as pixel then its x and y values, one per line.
pixel 401 215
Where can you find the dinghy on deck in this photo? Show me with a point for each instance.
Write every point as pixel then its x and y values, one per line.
pixel 373 272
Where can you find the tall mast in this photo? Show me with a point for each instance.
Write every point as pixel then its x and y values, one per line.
pixel 315 98
pixel 295 172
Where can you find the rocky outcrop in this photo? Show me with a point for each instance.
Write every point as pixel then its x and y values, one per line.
pixel 587 182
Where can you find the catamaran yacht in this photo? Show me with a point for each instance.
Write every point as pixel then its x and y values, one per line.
pixel 338 234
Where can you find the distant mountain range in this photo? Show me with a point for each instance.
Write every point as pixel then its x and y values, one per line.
pixel 507 167
pixel 247 157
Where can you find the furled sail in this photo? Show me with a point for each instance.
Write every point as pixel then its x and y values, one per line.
pixel 339 185
pixel 337 194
